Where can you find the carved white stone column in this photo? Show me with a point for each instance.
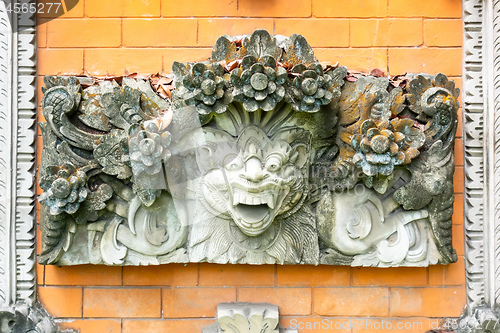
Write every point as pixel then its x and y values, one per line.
pixel 19 313
pixel 17 155
pixel 481 107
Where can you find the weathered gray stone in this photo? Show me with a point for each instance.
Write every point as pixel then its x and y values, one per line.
pixel 263 156
pixel 483 319
pixel 21 318
pixel 247 318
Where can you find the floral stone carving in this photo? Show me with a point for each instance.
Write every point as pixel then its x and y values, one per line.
pixel 261 156
pixel 247 318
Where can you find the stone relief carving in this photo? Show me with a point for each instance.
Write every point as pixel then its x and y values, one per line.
pixel 247 318
pixel 261 156
pixel 482 160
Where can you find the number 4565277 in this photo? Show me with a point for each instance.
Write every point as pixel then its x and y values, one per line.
pixel 39 8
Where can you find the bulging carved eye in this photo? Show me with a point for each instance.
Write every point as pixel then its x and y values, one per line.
pixel 233 163
pixel 273 164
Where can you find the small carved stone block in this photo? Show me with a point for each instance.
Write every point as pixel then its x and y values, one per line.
pixel 247 318
pixel 260 155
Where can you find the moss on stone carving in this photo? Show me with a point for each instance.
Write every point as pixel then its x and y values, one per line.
pixel 258 155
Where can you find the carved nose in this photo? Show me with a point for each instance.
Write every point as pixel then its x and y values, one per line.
pixel 254 170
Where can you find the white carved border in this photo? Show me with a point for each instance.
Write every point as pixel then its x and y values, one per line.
pixel 481 107
pixel 17 156
pixel 495 260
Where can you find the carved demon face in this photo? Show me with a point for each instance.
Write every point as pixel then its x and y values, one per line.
pixel 254 178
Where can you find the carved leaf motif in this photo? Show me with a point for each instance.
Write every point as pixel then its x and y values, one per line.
pixel 226 50
pixel 112 252
pixel 179 70
pixel 338 76
pixel 57 236
pixel 260 44
pixel 54 81
pixel 397 100
pixel 379 183
pixel 254 324
pixel 428 179
pixel 298 51
pixel 146 195
pixel 122 106
pixel 95 202
pixel 435 101
pixel 430 187
pixel 110 154
pixel 58 103
pixel 93 115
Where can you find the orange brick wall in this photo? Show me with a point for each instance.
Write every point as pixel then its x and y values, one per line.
pixel 123 36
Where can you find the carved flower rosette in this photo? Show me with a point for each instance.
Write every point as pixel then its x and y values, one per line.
pixel 259 155
pixel 383 145
pixel 65 188
pixel 203 86
pixel 310 88
pixel 258 83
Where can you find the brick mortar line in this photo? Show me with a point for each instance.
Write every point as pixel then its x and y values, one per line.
pixel 161 302
pixel 197 32
pixel 156 319
pixel 121 33
pixel 83 300
pixel 349 32
pixel 108 287
pixel 423 32
pixel 198 275
pixel 311 295
pixel 387 59
pixel 389 308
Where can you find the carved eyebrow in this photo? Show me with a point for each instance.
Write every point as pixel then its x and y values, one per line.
pixel 275 153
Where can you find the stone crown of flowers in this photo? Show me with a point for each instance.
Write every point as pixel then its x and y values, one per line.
pixel 258 71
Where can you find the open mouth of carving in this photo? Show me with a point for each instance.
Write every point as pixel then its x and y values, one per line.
pixel 264 199
pixel 253 212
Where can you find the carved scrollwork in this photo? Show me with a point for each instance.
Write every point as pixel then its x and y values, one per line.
pixel 263 155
